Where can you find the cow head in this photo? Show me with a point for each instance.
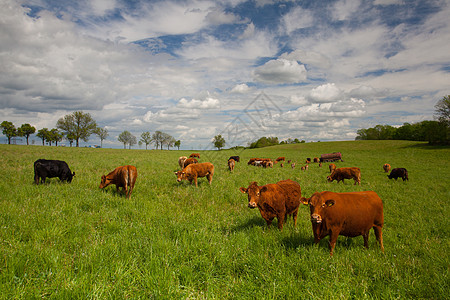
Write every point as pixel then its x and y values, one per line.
pixel 317 206
pixel 254 193
pixel 70 176
pixel 105 182
pixel 180 175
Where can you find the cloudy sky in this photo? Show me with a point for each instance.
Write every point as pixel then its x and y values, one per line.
pixel 312 70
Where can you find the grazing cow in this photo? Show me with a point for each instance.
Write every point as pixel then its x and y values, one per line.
pixel 195 155
pixel 281 165
pixel 308 160
pixel 44 168
pixel 281 158
pixel 181 161
pixel 293 165
pixel 289 161
pixel 236 158
pixel 231 164
pixel 348 214
pixel 267 164
pixel 386 167
pixel 189 161
pixel 346 173
pixel 304 168
pixel 194 171
pixel 320 165
pixel 399 172
pixel 332 167
pixel 316 159
pixel 275 200
pixel 124 177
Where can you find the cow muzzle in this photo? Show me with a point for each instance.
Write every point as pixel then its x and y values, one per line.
pixel 315 218
pixel 252 205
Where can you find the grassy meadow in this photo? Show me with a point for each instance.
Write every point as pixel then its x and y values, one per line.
pixel 175 241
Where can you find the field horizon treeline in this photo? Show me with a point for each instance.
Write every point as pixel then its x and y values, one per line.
pixel 173 240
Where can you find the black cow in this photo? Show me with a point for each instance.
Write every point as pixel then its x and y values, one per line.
pixel 236 158
pixel 399 172
pixel 44 168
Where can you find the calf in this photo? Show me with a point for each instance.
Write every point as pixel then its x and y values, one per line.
pixel 332 167
pixel 231 164
pixel 399 172
pixel 44 168
pixel 348 214
pixel 124 177
pixel 275 200
pixel 386 167
pixel 346 173
pixel 194 171
pixel 181 160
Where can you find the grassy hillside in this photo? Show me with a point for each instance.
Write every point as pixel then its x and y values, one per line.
pixel 173 240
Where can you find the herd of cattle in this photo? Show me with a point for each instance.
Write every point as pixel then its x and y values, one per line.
pixel 348 214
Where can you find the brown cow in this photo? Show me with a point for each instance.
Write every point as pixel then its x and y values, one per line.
pixel 346 173
pixel 181 160
pixel 281 158
pixel 305 167
pixel 293 165
pixel 275 200
pixel 124 177
pixel 386 167
pixel 332 167
pixel 189 161
pixel 316 159
pixel 231 164
pixel 195 155
pixel 194 171
pixel 348 214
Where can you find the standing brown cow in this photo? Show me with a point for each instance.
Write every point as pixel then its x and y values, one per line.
pixel 124 177
pixel 231 164
pixel 345 173
pixel 386 168
pixel 348 214
pixel 194 171
pixel 275 200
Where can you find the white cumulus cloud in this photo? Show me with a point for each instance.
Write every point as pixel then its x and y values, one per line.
pixel 281 71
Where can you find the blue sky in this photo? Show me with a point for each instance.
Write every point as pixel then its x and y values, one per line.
pixel 312 70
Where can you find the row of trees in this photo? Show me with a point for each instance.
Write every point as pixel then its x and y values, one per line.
pixel 435 132
pixel 159 139
pixel 80 126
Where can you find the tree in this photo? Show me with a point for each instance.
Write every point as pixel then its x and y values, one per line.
pixel 78 125
pixel 443 110
pixel 218 141
pixel 55 136
pixel 146 138
pixel 26 130
pixel 177 144
pixel 127 138
pixel 157 138
pixel 102 134
pixel 43 134
pixel 9 130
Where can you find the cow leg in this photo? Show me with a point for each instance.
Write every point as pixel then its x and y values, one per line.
pixel 280 221
pixel 294 217
pixel 379 236
pixel 366 239
pixel 195 180
pixel 333 239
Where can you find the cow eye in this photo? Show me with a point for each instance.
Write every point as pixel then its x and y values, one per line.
pixel 257 194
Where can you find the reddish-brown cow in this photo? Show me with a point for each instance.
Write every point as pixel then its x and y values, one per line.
pixel 189 161
pixel 124 177
pixel 346 173
pixel 386 168
pixel 195 155
pixel 316 159
pixel 348 214
pixel 275 200
pixel 332 167
pixel 194 171
pixel 231 164
pixel 281 158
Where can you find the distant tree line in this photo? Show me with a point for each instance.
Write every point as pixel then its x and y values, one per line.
pixel 434 132
pixel 80 126
pixel 272 141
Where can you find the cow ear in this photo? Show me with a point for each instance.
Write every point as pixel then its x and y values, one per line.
pixel 263 189
pixel 243 190
pixel 304 200
pixel 73 174
pixel 330 202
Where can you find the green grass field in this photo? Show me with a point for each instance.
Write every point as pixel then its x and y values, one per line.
pixel 173 240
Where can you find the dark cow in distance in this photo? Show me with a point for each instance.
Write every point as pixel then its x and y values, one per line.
pixel 275 200
pixel 123 176
pixel 45 168
pixel 348 214
pixel 194 171
pixel 399 173
pixel 236 158
pixel 386 167
pixel 345 173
